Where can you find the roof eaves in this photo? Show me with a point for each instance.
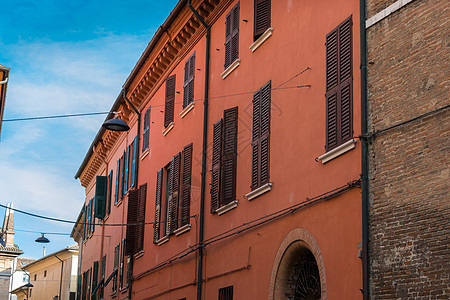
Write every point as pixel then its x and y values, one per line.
pixel 161 29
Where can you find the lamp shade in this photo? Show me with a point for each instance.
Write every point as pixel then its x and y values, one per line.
pixel 116 125
pixel 42 239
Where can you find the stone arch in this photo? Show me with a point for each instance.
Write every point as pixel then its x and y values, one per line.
pixel 297 240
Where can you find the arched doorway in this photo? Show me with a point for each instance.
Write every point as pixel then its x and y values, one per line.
pixel 298 272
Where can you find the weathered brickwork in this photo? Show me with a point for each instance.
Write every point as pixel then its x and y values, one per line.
pixel 410 208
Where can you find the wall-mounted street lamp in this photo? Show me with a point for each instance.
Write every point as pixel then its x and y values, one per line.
pixel 116 124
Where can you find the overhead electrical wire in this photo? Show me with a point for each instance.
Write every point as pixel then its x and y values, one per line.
pixel 162 105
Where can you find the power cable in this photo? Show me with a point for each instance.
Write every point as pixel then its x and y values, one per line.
pixel 162 105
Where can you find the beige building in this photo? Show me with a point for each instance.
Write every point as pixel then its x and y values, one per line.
pixel 8 252
pixel 53 277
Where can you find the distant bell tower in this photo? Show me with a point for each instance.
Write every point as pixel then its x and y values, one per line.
pixel 7 235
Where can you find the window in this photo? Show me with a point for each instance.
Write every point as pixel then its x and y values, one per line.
pixel 169 214
pixel 134 153
pixel 122 264
pixel 189 74
pixel 136 215
pixel 339 94
pixel 101 183
pixel 35 276
pixel 261 136
pixel 45 273
pixel 116 197
pixel 232 36
pixel 25 277
pixel 110 181
pixel 226 293
pixel 123 173
pixel 102 277
pixel 170 101
pixel 146 131
pixel 224 157
pixel 116 266
pixel 262 18
pixel 94 279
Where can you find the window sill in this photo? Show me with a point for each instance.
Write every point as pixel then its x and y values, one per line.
pixel 267 34
pixel 162 240
pixel 105 218
pixel 114 294
pixel 227 208
pixel 259 191
pixel 123 290
pixel 187 109
pixel 230 68
pixel 182 229
pixel 168 128
pixel 347 146
pixel 118 203
pixel 139 254
pixel 144 154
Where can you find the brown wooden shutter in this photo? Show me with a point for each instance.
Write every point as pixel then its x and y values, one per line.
pixel 170 101
pixel 189 74
pixel 235 34
pixel 261 136
pixel 141 218
pixel 157 224
pixel 339 93
pixel 132 219
pixel 146 134
pixel 262 17
pixel 216 175
pixel 230 123
pixel 265 134
pixel 232 36
pixel 173 201
pixel 228 32
pixel 186 185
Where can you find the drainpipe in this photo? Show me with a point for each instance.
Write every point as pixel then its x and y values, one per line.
pixel 364 151
pixel 60 279
pixel 136 172
pixel 205 136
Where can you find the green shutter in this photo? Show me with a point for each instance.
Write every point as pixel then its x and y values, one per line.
pixel 116 199
pixel 100 197
pixel 127 163
pixel 110 190
pixel 133 163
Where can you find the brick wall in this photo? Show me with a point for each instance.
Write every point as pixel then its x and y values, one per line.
pixel 410 208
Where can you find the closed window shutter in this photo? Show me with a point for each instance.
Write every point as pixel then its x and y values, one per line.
pixel 228 32
pixel 85 226
pixel 127 173
pixel 189 74
pixel 116 196
pixel 235 34
pixel 94 279
pixel 262 17
pixel 157 224
pixel 191 77
pixel 216 175
pixel 101 185
pixel 170 101
pixel 133 162
pixel 141 218
pixel 146 134
pixel 261 136
pixel 339 127
pixel 230 123
pixel 122 175
pixel 116 266
pixel 132 219
pixel 173 201
pixel 186 185
pixel 92 215
pixel 232 36
pixel 89 219
pixel 110 181
pixel 265 134
pixel 103 271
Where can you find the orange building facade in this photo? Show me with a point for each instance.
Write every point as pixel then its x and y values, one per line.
pixel 246 189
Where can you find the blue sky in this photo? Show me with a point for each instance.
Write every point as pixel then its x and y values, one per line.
pixel 65 57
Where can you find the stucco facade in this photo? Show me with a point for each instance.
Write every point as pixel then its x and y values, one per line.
pixel 54 276
pixel 288 200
